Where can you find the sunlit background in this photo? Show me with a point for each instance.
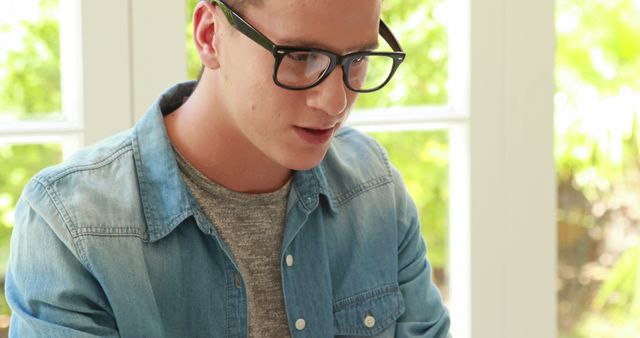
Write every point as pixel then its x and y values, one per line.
pixel 597 142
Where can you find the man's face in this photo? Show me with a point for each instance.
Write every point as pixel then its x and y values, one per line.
pixel 291 128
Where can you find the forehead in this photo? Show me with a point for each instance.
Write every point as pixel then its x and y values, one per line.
pixel 337 25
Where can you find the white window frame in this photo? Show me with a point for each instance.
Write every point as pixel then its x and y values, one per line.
pixel 513 245
pixel 118 55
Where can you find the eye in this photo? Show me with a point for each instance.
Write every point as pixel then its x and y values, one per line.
pixel 298 56
pixel 360 59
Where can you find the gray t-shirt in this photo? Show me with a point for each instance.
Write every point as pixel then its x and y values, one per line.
pixel 252 227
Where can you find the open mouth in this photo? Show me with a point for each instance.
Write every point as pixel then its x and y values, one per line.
pixel 314 136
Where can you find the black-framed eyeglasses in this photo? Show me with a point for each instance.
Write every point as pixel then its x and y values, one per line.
pixel 299 68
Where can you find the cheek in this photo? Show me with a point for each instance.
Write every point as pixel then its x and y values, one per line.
pixel 246 65
pixel 351 98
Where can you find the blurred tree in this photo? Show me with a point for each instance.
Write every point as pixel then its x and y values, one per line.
pixel 596 42
pixel 29 89
pixel 597 100
pixel 422 78
pixel 30 72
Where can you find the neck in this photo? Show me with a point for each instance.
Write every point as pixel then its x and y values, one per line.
pixel 213 146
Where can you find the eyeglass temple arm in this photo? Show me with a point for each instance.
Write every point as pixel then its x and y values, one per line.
pixel 240 24
pixel 246 28
pixel 388 36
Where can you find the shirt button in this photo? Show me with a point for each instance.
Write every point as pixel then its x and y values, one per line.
pixel 300 324
pixel 289 260
pixel 369 321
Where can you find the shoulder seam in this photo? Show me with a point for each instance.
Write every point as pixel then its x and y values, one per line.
pixel 123 148
pixel 64 215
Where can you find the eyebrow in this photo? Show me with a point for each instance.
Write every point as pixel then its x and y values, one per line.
pixel 314 44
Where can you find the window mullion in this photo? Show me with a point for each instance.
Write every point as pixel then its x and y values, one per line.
pixel 512 176
pixel 406 118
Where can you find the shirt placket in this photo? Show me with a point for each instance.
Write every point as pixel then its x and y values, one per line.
pixel 236 302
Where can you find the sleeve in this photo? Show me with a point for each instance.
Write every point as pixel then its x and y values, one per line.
pixel 425 315
pixel 50 292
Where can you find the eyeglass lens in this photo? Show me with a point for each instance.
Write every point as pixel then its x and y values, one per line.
pixel 301 69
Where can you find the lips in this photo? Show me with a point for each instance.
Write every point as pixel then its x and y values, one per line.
pixel 315 136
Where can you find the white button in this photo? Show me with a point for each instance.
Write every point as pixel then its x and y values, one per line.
pixel 289 260
pixel 369 321
pixel 300 324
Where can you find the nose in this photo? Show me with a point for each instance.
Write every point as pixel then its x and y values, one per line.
pixel 331 95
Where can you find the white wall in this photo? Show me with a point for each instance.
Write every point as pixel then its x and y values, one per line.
pixel 513 203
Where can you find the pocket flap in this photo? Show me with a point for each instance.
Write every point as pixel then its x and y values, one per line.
pixel 368 313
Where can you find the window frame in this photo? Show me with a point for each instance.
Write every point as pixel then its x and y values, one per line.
pixel 502 208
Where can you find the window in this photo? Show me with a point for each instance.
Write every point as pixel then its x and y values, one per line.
pixel 597 105
pixel 32 122
pixel 52 85
pixel 485 122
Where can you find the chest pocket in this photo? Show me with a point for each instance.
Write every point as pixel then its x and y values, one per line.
pixel 370 314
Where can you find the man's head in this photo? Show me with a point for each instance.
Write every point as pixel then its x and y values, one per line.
pixel 289 127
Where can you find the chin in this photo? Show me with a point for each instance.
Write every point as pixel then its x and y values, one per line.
pixel 304 166
pixel 300 163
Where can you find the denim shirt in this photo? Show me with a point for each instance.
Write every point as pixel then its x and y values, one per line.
pixel 111 243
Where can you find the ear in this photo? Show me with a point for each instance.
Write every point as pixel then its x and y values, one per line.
pixel 205 26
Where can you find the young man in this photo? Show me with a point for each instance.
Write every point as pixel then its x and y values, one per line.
pixel 238 206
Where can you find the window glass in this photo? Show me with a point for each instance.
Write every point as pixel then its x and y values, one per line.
pixel 193 60
pixel 422 77
pixel 29 60
pixel 597 148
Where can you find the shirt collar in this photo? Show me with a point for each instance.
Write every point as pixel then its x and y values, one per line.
pixel 165 198
pixel 309 186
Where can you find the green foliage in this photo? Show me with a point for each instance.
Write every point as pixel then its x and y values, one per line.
pixel 30 74
pixel 422 77
pixel 29 89
pixel 620 293
pixel 598 41
pixel 596 52
pixel 597 156
pixel 193 60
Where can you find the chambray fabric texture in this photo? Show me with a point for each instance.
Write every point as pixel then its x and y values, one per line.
pixel 252 228
pixel 111 243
